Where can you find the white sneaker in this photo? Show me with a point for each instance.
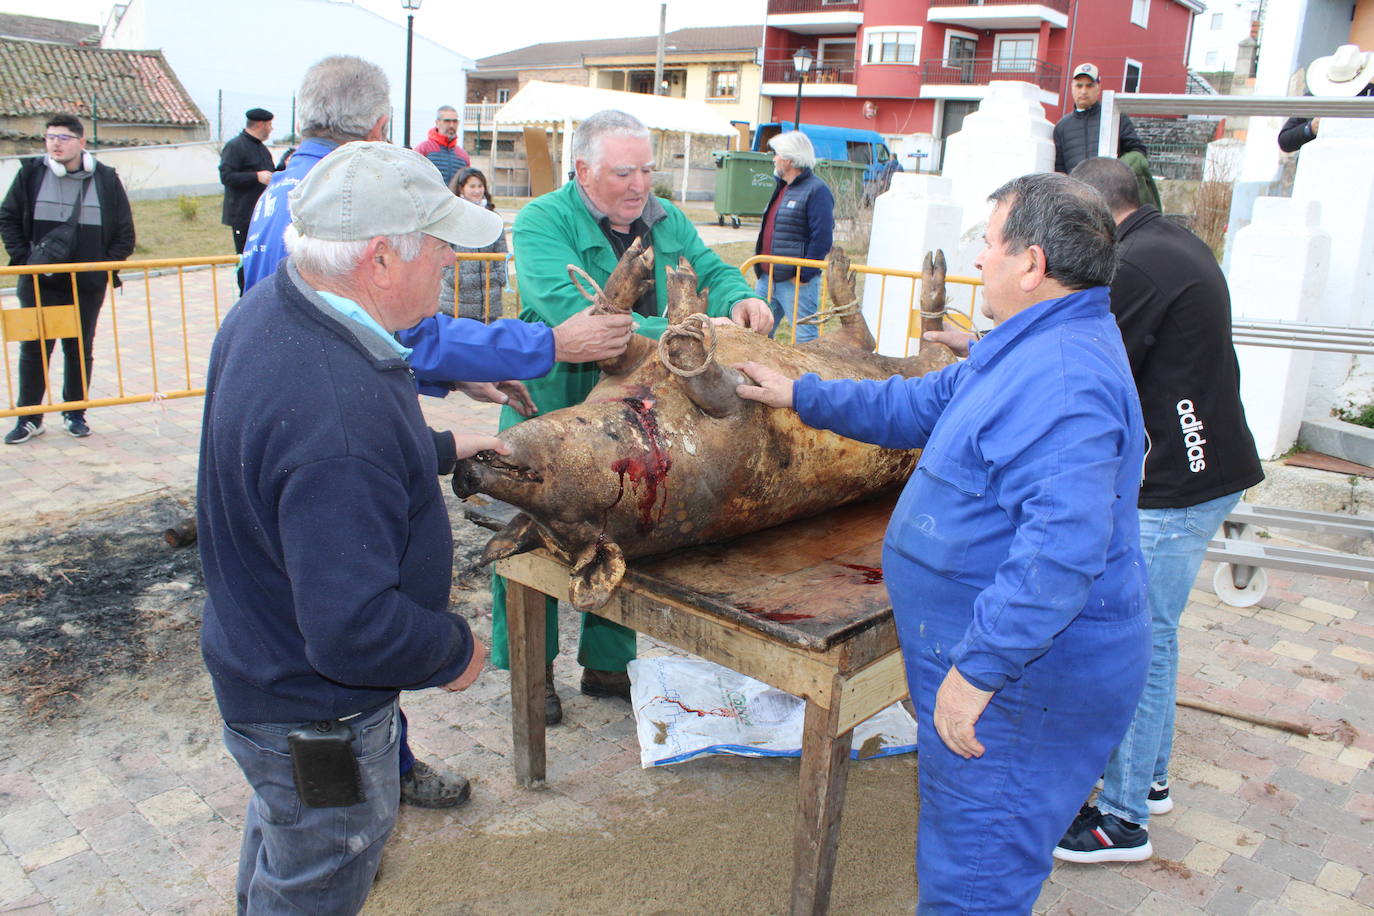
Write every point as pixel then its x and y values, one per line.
pixel 1158 801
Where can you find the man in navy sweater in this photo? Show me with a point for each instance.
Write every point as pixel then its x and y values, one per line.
pixel 324 536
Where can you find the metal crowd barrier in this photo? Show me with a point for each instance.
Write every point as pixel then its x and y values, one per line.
pixel 138 376
pixel 956 314
pixel 488 259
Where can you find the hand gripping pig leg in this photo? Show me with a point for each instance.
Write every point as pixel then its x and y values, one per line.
pixel 630 280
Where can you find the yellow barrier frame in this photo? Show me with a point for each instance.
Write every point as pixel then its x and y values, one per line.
pixel 962 318
pixel 55 322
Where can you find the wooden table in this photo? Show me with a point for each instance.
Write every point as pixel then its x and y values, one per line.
pixel 800 607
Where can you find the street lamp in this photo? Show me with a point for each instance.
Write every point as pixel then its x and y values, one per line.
pixel 410 6
pixel 801 63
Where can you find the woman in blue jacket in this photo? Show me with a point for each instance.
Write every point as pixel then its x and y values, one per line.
pixel 1012 559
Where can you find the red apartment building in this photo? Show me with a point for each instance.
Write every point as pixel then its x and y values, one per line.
pixel 918 66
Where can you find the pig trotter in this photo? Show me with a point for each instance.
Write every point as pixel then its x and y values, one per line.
pixel 521 535
pixel 688 350
pixel 596 571
pixel 932 293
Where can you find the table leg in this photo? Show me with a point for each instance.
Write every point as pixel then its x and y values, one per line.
pixel 824 764
pixel 525 632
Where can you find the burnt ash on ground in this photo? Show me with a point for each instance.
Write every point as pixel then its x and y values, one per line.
pixel 86 599
pixel 101 595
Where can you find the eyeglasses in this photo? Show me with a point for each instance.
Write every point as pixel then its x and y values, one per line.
pixel 60 138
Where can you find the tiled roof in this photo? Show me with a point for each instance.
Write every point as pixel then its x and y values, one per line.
pixel 570 53
pixel 130 87
pixel 54 31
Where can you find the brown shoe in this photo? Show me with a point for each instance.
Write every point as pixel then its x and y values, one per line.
pixel 605 683
pixel 553 707
pixel 426 787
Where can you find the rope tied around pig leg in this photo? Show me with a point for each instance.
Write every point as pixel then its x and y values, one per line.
pixel 577 275
pixel 838 311
pixel 696 326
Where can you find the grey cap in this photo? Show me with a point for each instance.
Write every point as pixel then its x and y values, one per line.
pixel 369 188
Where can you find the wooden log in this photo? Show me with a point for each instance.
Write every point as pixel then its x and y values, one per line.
pixel 1287 725
pixel 182 534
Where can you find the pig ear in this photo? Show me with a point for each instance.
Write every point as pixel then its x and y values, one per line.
pixel 596 572
pixel 520 535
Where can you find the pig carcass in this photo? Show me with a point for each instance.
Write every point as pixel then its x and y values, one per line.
pixel 663 454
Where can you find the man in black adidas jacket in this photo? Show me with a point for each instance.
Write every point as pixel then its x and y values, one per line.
pixel 1172 304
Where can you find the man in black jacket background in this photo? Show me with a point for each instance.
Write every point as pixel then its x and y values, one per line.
pixel 1076 134
pixel 42 198
pixel 245 168
pixel 1172 304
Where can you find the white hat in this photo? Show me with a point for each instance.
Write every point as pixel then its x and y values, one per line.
pixel 365 189
pixel 1088 70
pixel 1344 73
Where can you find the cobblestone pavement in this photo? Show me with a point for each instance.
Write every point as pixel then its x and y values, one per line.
pixel 1265 821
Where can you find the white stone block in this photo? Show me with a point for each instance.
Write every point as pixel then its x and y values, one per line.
pixel 1278 272
pixel 917 214
pixel 1333 170
pixel 1007 137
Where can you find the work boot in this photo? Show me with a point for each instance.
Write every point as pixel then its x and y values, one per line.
pixel 605 683
pixel 553 707
pixel 426 787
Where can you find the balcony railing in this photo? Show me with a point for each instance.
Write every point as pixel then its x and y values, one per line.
pixel 777 7
pixel 783 71
pixel 979 71
pixel 478 113
pixel 1059 5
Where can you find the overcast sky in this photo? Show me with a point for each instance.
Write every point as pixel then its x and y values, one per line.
pixel 479 29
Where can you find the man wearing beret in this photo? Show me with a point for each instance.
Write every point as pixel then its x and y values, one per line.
pixel 245 168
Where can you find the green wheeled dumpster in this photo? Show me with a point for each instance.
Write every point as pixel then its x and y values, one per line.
pixel 845 179
pixel 744 184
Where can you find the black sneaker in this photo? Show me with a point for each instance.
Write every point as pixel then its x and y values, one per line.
pixel 1097 837
pixel 23 431
pixel 1158 801
pixel 76 426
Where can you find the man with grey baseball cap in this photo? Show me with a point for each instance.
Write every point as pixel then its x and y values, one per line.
pixel 324 537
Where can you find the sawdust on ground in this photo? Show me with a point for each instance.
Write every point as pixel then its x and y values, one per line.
pixel 716 839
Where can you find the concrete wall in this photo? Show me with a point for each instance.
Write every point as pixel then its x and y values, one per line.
pixel 154 172
pixel 257 54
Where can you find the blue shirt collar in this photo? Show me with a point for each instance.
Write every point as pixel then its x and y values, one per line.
pixel 350 309
pixel 1094 301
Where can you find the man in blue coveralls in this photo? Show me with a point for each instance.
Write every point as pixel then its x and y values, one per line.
pixel 1012 559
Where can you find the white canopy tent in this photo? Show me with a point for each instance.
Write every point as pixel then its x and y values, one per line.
pixel 562 106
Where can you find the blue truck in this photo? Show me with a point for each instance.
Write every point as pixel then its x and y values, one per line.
pixel 865 147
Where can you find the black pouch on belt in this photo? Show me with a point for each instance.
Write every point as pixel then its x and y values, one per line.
pixel 325 768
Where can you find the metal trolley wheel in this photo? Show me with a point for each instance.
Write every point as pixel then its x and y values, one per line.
pixel 1224 582
pixel 1236 585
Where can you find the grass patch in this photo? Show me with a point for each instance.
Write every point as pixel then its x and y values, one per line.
pixel 179 227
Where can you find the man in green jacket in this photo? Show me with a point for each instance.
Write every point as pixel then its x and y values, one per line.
pixel 590 222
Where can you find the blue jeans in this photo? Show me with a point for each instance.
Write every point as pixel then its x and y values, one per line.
pixel 785 297
pixel 1174 542
pixel 296 859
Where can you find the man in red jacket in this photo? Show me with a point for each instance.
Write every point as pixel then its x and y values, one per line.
pixel 442 147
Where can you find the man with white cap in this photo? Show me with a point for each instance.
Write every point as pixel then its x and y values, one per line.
pixel 1346 74
pixel 1075 136
pixel 324 537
